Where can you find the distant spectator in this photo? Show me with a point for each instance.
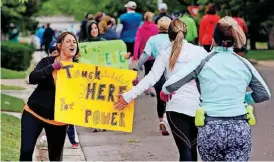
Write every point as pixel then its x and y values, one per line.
pixel 39 34
pixel 48 36
pixel 176 14
pixel 106 31
pixel 35 41
pixel 207 26
pixel 191 26
pixel 144 32
pixel 99 16
pixel 73 137
pixel 93 31
pixel 114 23
pixel 13 33
pixel 235 15
pixel 53 48
pixel 130 21
pixel 72 29
pixel 83 33
pixel 162 7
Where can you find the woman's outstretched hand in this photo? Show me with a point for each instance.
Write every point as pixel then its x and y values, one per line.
pixel 166 97
pixel 121 103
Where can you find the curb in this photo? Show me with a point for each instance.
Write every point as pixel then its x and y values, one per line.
pixel 69 154
pixel 267 63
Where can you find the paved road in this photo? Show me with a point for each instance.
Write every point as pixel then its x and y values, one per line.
pixel 145 142
pixel 263 131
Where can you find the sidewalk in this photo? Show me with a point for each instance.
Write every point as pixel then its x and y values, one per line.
pixel 269 63
pixel 69 154
pixel 264 63
pixel 73 154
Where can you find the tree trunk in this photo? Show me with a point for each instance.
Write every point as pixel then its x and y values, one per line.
pixel 271 38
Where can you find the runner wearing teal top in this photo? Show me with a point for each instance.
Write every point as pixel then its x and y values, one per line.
pixel 223 78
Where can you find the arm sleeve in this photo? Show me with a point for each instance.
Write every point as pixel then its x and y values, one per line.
pixel 40 72
pixel 121 19
pixel 181 77
pixel 144 57
pixel 188 73
pixel 149 80
pixel 148 47
pixel 137 44
pixel 260 92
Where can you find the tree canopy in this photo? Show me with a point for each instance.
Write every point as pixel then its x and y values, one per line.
pixel 20 13
pixel 258 14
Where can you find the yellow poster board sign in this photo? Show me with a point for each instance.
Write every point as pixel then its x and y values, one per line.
pixel 85 96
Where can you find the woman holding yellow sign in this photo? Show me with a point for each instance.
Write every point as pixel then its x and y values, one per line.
pixel 224 133
pixel 39 111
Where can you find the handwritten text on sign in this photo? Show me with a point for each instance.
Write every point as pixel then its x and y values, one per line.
pixel 85 96
pixel 104 53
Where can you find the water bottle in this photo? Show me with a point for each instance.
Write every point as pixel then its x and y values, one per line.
pixel 250 115
pixel 200 117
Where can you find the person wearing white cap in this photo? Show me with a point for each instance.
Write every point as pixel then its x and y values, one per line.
pixel 130 21
pixel 162 7
pixel 131 5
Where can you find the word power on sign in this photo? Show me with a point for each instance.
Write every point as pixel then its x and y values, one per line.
pixel 85 96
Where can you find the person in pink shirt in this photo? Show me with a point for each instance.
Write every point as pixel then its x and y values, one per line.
pixel 144 32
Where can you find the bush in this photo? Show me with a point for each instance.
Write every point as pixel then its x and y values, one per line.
pixel 16 56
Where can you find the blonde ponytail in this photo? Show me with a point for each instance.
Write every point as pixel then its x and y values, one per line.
pixel 176 49
pixel 177 31
pixel 229 28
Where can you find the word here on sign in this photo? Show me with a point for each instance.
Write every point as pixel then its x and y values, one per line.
pixel 104 53
pixel 85 96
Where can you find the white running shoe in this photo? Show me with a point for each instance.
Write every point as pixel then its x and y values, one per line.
pixel 163 128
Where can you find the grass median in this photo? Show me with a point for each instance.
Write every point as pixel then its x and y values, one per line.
pixel 260 55
pixel 12 104
pixel 10 138
pixel 12 74
pixel 9 87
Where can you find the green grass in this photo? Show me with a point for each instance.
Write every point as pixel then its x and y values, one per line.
pixel 9 103
pixel 8 87
pixel 261 45
pixel 10 138
pixel 12 74
pixel 260 54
